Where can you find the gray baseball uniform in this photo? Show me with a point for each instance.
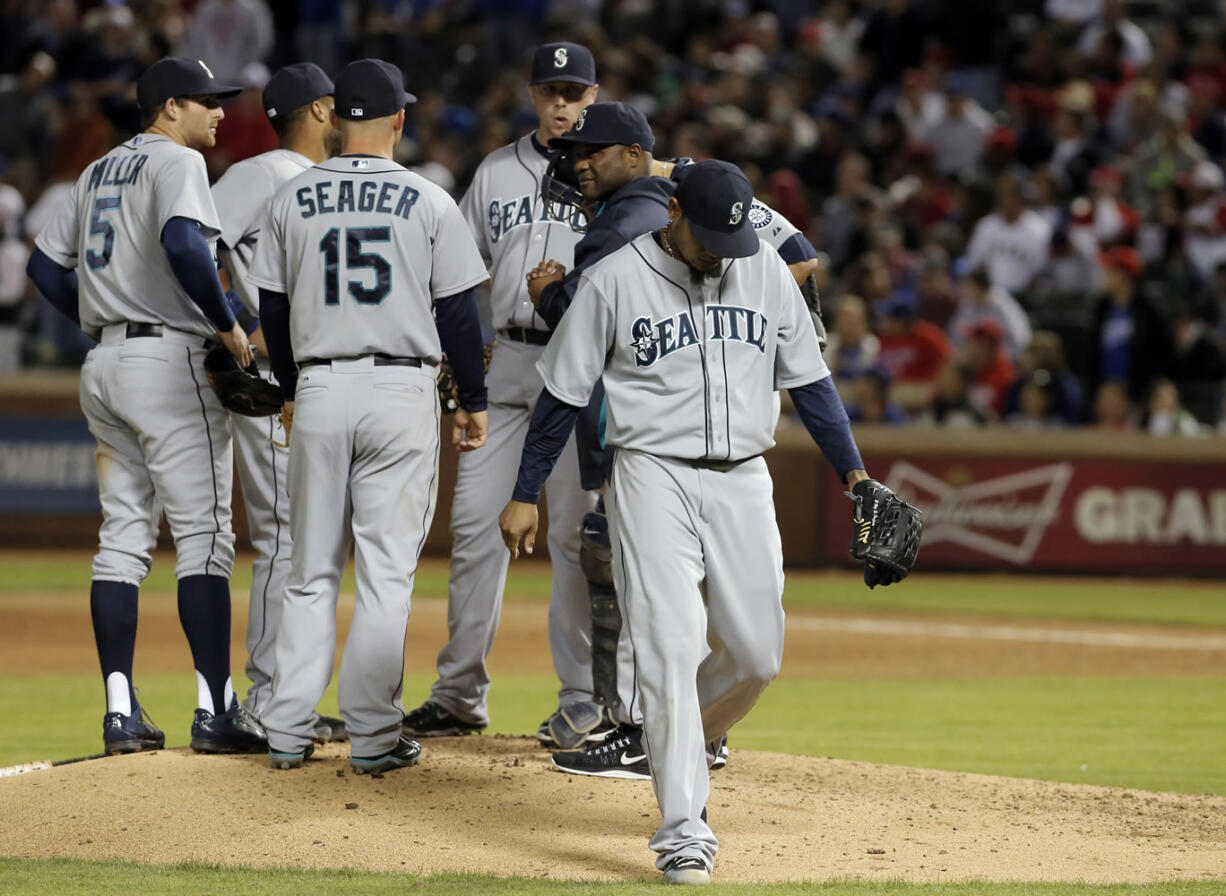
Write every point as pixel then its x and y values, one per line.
pixel 689 366
pixel 242 196
pixel 363 248
pixel 504 209
pixel 163 437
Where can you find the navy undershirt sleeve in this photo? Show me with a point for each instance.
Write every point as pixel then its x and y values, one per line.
pixel 551 425
pixel 194 267
pixel 274 320
pixel 459 331
pixel 796 249
pixel 57 284
pixel 822 412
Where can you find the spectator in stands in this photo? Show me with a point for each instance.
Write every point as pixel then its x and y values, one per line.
pixel 229 35
pixel 980 300
pixel 938 299
pixel 1136 46
pixel 957 137
pixel 1113 408
pixel 851 348
pixel 843 211
pixel 1074 155
pixel 1165 157
pixel 1205 220
pixel 1132 343
pixel 1045 355
pixel 951 404
pixel 983 355
pixel 913 351
pixel 1102 219
pixel 1011 243
pixel 871 401
pixel 838 32
pixel 1199 367
pixel 1036 404
pixel 1165 416
pixel 14 286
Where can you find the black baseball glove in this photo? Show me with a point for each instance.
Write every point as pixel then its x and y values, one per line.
pixel 448 388
pixel 886 537
pixel 241 391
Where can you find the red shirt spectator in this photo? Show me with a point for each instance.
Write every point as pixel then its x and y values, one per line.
pixel 990 367
pixel 912 350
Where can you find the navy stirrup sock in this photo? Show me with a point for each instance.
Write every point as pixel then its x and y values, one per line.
pixel 204 612
pixel 112 607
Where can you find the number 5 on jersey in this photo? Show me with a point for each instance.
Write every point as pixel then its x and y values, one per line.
pixel 355 260
pixel 100 226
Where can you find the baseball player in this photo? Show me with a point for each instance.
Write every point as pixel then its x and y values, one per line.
pixel 130 257
pixel 692 328
pixel 298 102
pixel 506 212
pixel 366 274
pixel 617 174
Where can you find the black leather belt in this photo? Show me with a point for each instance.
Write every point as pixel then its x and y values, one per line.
pixel 720 466
pixel 523 334
pixel 137 330
pixel 379 361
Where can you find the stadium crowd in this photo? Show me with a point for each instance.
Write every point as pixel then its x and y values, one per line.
pixel 1021 204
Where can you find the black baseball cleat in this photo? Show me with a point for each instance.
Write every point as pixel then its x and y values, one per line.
pixel 620 756
pixel 405 754
pixel 431 720
pixel 234 731
pixel 130 734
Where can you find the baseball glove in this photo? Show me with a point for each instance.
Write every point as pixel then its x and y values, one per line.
pixel 886 537
pixel 241 391
pixel 448 388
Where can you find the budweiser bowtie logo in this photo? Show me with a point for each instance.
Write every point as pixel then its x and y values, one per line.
pixel 1004 517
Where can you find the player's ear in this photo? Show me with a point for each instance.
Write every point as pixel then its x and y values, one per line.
pixel 399 125
pixel 595 92
pixel 170 108
pixel 674 209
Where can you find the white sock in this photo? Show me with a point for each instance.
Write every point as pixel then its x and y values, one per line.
pixel 118 694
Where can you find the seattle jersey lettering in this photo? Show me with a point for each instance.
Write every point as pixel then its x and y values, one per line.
pixel 725 323
pixel 511 213
pixel 328 197
pixel 114 171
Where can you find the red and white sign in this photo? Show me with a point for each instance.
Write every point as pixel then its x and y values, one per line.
pixel 1092 516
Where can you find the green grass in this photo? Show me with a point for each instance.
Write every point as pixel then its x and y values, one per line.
pixel 1158 601
pixel 74 878
pixel 1153 734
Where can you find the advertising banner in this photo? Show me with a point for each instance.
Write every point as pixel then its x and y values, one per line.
pixel 47 466
pixel 1085 515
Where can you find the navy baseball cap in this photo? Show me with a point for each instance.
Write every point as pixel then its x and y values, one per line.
pixel 715 198
pixel 603 124
pixel 563 61
pixel 295 86
pixel 179 76
pixel 370 88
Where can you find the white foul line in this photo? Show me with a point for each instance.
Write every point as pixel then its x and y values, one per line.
pixel 912 629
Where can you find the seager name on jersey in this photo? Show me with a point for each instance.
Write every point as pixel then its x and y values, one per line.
pixel 114 171
pixel 327 197
pixel 726 323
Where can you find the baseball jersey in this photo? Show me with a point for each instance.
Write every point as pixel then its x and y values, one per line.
pixel 111 230
pixel 242 196
pixel 688 366
pixel 505 211
pixel 1013 252
pixel 362 247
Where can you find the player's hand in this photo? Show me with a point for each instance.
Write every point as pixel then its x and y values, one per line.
pixel 287 423
pixel 470 429
pixel 541 276
pixel 518 521
pixel 237 344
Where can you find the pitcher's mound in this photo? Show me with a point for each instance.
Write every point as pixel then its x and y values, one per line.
pixel 493 805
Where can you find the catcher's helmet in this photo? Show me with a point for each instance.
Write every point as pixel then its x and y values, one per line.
pixel 560 191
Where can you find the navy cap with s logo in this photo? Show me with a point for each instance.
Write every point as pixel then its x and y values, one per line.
pixel 604 124
pixel 295 86
pixel 370 88
pixel 176 76
pixel 715 198
pixel 563 61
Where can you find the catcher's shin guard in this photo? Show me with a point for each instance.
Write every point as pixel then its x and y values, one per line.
pixel 596 560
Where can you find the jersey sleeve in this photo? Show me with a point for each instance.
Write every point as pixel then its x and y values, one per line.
pixel 240 196
pixel 183 192
pixel 61 237
pixel 574 358
pixel 474 217
pixel 268 269
pixel 770 226
pixel 798 357
pixel 456 263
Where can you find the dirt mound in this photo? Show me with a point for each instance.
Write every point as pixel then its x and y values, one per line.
pixel 492 805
